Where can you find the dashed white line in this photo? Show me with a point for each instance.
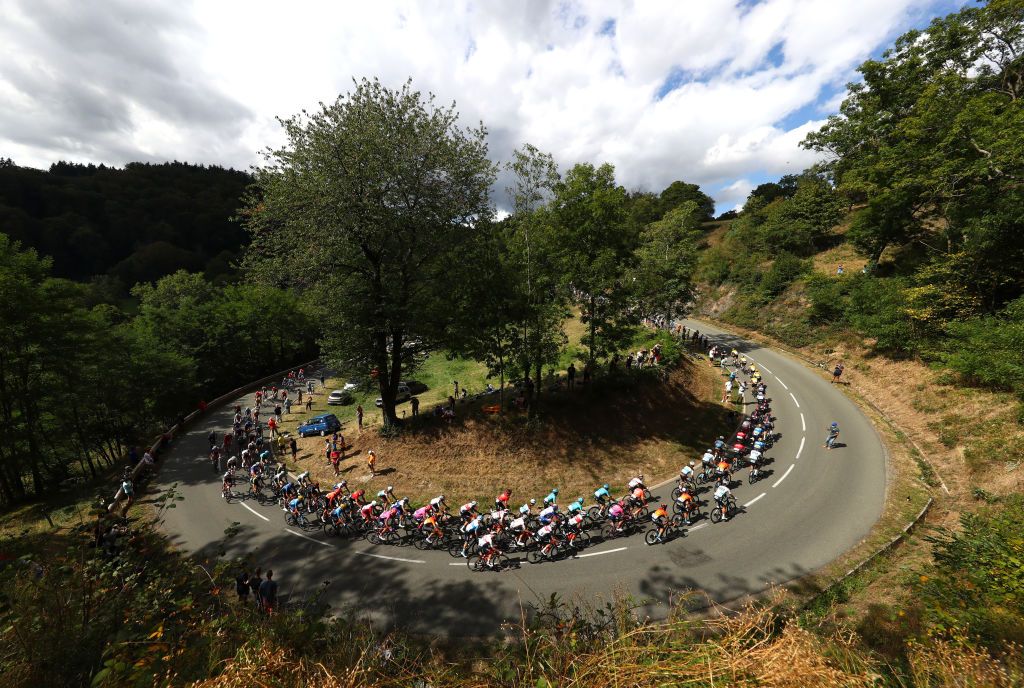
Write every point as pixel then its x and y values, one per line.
pixel 803 423
pixel 306 537
pixel 754 499
pixel 777 482
pixel 794 400
pixel 781 382
pixel 407 561
pixel 597 554
pixel 254 511
pixel 698 526
pixel 802 440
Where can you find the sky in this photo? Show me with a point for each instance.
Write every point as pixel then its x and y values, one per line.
pixel 713 92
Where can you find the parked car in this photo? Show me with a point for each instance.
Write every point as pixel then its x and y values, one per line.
pixel 355 385
pixel 340 397
pixel 403 394
pixel 415 386
pixel 320 425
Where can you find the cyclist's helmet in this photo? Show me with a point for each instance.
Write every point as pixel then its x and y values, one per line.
pixel 301 498
pixel 605 486
pixel 692 464
pixel 472 504
pixel 664 506
pixel 343 483
pixel 835 425
pixel 641 476
pixel 441 497
pixel 532 502
pixel 373 503
pixel 554 491
pixel 390 489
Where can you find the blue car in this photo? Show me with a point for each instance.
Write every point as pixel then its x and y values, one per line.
pixel 320 425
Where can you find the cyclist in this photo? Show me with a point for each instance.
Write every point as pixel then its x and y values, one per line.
pixel 423 513
pixel 228 482
pixel 755 459
pixel 575 507
pixel 295 506
pixel 660 519
pixel 616 514
pixel 637 497
pixel 430 527
pixel 468 511
pixel 722 494
pixel 232 463
pixel 522 534
pixel 686 502
pixel 601 494
pixel 686 474
pixel 487 547
pixel 287 492
pixel 439 504
pixel 552 497
pixel 548 513
pixel 357 497
pixel 636 482
pixel 366 512
pixel 547 533
pixel 386 496
pixel 527 509
pixel 719 443
pixel 833 435
pixel 722 471
pixel 469 531
pixel 302 478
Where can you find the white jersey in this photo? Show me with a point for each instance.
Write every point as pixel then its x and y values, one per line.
pixel 686 472
pixel 518 524
pixel 545 531
pixel 721 492
pixel 436 502
pixel 755 456
pixel 548 512
pixel 708 457
pixel 486 540
pixel 634 483
pixel 576 520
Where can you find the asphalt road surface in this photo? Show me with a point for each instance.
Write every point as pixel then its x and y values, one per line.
pixel 813 505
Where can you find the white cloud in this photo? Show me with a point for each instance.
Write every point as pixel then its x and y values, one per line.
pixel 204 81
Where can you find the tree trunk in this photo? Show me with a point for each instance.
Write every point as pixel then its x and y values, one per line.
pixel 593 331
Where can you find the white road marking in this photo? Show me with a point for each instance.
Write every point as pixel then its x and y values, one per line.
pixel 698 526
pixel 781 382
pixel 803 423
pixel 754 499
pixel 306 537
pixel 784 475
pixel 802 440
pixel 597 554
pixel 254 511
pixel 381 556
pixel 794 400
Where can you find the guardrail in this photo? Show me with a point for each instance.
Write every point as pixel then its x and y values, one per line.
pixel 168 436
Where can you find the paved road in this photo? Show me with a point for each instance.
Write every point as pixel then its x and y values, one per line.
pixel 815 505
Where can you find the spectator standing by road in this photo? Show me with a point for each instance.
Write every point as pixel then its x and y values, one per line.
pixel 254 585
pixel 371 462
pixel 268 592
pixel 359 417
pixel 415 404
pixel 837 372
pixel 242 587
pixel 571 376
pixel 309 403
pixel 727 394
pixel 456 385
pixel 287 405
pixel 294 446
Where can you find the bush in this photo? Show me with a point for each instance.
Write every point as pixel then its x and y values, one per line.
pixel 784 271
pixel 877 307
pixel 828 296
pixel 976 584
pixel 987 351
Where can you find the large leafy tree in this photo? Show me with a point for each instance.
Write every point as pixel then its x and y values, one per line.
pixel 932 140
pixel 366 206
pixel 597 250
pixel 665 262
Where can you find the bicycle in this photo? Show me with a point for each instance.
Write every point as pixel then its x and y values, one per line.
pixel 548 552
pixel 498 561
pixel 384 536
pixel 673 529
pixel 730 510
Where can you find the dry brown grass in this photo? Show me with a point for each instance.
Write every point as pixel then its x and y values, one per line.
pixel 582 440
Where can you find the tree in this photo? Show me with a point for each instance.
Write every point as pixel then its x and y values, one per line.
pixel 931 139
pixel 677 193
pixel 665 261
pixel 536 294
pixel 366 207
pixel 589 212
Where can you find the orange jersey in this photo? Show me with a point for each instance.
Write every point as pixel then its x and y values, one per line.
pixel 638 494
pixel 659 513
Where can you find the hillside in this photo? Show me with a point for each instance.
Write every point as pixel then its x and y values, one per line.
pixel 128 225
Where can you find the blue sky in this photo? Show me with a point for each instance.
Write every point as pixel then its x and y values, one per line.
pixel 717 92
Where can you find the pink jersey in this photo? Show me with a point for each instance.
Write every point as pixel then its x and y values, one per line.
pixel 421 513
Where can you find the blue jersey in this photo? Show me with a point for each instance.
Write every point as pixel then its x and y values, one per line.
pixel 601 493
pixel 294 504
pixel 575 506
pixel 552 496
